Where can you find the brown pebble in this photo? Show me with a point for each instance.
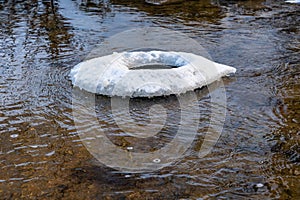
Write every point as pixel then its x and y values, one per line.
pixel 91 186
pixel 70 152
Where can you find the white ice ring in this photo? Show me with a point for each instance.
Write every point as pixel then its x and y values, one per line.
pixel 128 74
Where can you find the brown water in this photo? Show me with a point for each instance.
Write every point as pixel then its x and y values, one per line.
pixel 41 154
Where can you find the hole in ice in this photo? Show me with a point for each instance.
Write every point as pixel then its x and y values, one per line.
pixel 154 66
pixel 153 60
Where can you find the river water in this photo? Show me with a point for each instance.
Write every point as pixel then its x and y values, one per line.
pixel 257 155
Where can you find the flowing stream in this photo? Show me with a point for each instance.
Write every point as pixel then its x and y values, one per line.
pixel 257 155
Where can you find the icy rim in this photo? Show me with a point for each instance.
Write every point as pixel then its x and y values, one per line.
pixel 293 1
pixel 111 75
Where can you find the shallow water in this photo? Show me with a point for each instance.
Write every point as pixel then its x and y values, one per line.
pixel 42 156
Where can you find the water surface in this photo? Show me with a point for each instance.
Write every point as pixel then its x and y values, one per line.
pixel 42 156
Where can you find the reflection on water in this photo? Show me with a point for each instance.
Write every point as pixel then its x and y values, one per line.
pixel 41 154
pixel 184 12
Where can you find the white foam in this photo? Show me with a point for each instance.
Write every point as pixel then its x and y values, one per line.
pixel 112 75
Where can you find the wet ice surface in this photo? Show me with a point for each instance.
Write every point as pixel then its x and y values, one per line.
pixel 112 75
pixel 257 156
pixel 293 1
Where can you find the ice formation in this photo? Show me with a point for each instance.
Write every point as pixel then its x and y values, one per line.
pixel 293 1
pixel 135 74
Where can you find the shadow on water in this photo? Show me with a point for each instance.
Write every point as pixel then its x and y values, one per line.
pixel 257 156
